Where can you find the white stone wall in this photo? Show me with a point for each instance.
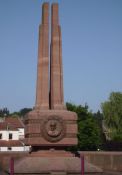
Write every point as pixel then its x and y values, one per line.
pixel 16 135
pixel 5 135
pixel 19 148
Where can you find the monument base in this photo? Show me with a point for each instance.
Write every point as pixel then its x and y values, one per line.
pixel 51 128
pixel 52 162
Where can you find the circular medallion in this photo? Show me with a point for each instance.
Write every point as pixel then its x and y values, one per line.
pixel 53 128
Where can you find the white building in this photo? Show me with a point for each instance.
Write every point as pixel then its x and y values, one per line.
pixel 12 135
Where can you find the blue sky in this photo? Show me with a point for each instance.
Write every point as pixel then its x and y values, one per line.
pixel 92 50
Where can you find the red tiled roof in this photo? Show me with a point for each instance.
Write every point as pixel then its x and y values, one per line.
pixel 14 121
pixel 11 143
pixel 11 123
pixel 5 126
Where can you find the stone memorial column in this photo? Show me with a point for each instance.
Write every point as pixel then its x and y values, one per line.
pixel 56 72
pixel 50 125
pixel 42 91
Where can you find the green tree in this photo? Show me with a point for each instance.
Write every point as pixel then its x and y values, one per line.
pixel 15 114
pixel 88 128
pixel 4 112
pixel 82 111
pixel 89 135
pixel 21 113
pixel 24 111
pixel 112 112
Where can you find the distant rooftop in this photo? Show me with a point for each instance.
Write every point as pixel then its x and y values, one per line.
pixel 15 121
pixel 13 143
pixel 11 123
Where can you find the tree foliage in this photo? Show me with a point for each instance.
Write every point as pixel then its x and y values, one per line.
pixel 112 112
pixel 89 134
pixel 4 112
pixel 21 113
pixel 24 111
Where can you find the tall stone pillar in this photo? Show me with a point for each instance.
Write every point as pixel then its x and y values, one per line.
pixel 56 72
pixel 42 91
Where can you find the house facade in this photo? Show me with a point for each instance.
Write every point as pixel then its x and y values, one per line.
pixel 12 135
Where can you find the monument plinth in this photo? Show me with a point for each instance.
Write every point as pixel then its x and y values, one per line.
pixel 51 128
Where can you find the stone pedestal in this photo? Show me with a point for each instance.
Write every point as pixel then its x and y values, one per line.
pixel 52 162
pixel 51 128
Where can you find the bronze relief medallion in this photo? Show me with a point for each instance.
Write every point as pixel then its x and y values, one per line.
pixel 53 128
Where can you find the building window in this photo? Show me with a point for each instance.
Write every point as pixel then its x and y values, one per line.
pixel 10 136
pixel 9 148
pixel 0 136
